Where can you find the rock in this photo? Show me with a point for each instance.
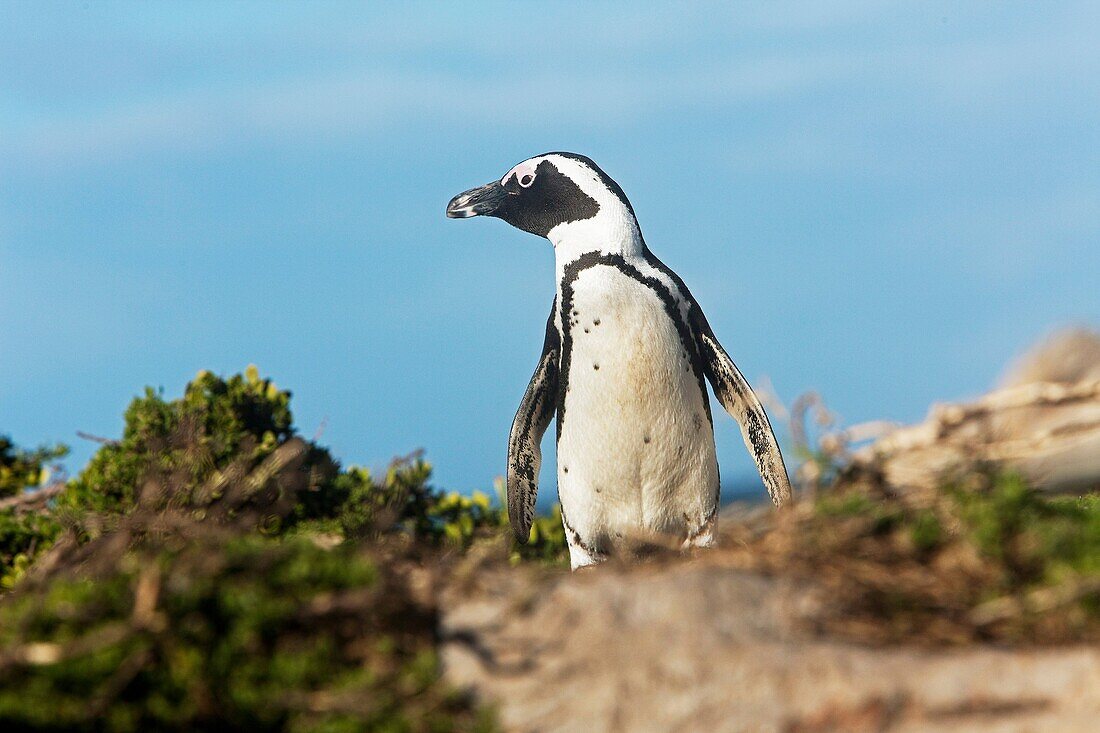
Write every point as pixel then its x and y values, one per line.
pixel 1043 422
pixel 691 646
pixel 1065 357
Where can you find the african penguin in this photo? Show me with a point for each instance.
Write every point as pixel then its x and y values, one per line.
pixel 623 365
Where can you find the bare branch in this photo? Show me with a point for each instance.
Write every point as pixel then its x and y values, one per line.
pixel 95 438
pixel 32 499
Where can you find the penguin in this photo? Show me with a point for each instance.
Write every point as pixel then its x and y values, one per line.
pixel 624 366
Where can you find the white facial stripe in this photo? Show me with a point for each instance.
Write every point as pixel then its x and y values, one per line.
pixel 585 178
pixel 612 229
pixel 527 168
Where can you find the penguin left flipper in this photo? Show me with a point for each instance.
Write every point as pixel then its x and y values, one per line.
pixel 532 418
pixel 737 396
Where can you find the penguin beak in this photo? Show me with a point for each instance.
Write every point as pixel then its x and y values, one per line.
pixel 483 200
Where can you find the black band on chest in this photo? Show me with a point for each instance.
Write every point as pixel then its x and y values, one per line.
pixel 672 309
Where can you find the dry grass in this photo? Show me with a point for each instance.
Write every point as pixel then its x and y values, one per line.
pixel 983 559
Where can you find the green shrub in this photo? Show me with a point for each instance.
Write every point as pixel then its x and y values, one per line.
pixel 215 422
pixel 1033 540
pixel 546 542
pixel 23 537
pixel 193 610
pixel 24 534
pixel 188 586
pixel 20 469
pixel 359 506
pixel 225 632
pixel 1029 537
pixel 984 557
pixel 183 449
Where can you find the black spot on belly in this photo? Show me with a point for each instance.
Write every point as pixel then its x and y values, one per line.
pixel 696 421
pixel 586 330
pixel 646 440
pixel 565 469
pixel 596 367
pixel 599 491
pixel 596 322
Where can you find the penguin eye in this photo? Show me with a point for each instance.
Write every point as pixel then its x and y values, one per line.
pixel 526 180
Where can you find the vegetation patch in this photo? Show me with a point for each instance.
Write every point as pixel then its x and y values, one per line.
pixel 20 468
pixel 211 569
pixel 984 558
pixel 209 629
pixel 24 534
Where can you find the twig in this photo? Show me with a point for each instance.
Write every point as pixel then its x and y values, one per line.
pixel 320 429
pixel 802 403
pixel 95 438
pixel 30 499
pixel 416 455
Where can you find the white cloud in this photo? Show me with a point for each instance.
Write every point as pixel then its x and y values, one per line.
pixel 352 103
pixel 601 74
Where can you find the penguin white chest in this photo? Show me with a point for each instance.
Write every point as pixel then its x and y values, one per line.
pixel 636 447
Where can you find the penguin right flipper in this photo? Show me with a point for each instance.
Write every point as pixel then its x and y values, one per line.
pixel 532 419
pixel 736 395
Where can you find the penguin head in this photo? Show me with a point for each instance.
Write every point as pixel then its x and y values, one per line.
pixel 554 195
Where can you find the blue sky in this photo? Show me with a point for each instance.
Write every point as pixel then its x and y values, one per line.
pixel 881 202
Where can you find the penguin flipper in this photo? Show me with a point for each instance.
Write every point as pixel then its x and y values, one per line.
pixel 737 396
pixel 531 421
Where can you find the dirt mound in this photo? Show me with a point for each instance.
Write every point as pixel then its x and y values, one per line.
pixel 696 646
